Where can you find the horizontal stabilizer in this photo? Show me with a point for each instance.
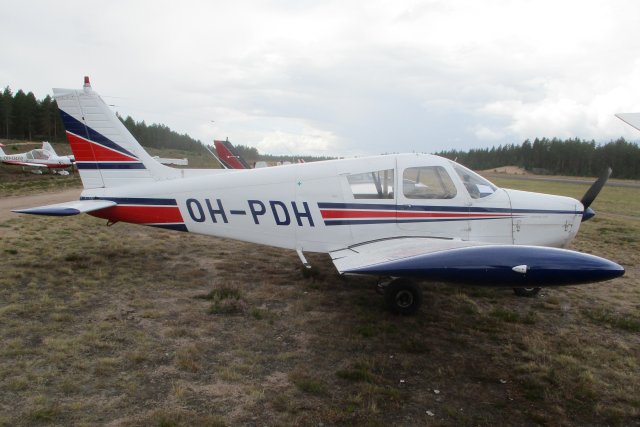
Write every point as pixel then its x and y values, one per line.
pixel 475 263
pixel 68 208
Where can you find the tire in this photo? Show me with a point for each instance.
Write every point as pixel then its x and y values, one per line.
pixel 527 292
pixel 402 296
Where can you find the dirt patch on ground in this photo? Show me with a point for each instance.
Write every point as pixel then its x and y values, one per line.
pixel 8 203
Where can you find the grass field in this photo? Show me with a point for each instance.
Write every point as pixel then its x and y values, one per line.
pixel 135 326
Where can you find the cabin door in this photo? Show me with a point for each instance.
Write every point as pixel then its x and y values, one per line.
pixel 430 202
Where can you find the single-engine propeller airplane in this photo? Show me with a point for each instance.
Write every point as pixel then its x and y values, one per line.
pixel 397 217
pixel 44 157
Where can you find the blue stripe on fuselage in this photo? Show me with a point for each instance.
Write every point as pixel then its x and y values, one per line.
pixel 393 207
pixel 103 165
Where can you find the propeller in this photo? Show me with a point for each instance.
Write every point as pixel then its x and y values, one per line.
pixel 592 193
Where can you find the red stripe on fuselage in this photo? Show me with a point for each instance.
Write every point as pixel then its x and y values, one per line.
pixel 88 151
pixel 141 214
pixel 333 214
pixel 34 164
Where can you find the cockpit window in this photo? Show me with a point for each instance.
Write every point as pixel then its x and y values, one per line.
pixel 477 186
pixel 40 154
pixel 428 182
pixel 372 185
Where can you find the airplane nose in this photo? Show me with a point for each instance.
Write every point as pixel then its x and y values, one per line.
pixel 592 193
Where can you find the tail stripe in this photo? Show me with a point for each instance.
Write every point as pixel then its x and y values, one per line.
pixel 79 129
pixel 102 165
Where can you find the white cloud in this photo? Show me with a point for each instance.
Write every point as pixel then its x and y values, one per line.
pixel 309 141
pixel 417 75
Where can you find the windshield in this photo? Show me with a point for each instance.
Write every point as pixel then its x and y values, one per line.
pixel 477 186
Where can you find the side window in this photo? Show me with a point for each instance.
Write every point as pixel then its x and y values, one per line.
pixel 428 182
pixel 372 185
pixel 477 186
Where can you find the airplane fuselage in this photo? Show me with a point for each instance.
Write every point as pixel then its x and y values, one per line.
pixel 325 206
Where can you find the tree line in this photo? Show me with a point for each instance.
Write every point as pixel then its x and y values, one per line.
pixel 251 154
pixel 573 157
pixel 161 136
pixel 23 117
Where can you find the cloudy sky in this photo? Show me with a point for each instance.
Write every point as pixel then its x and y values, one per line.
pixel 340 77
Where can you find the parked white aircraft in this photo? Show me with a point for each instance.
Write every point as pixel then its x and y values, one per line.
pixel 44 157
pixel 394 216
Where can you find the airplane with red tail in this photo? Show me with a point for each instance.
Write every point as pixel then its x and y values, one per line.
pixel 397 217
pixel 229 156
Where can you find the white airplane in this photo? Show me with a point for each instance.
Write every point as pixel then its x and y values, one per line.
pixel 44 157
pixel 397 217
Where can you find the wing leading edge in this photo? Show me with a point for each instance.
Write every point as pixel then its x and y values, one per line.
pixel 474 263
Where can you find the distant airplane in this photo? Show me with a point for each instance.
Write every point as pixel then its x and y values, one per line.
pixel 231 159
pixel 44 157
pixel 395 217
pixel 229 156
pixel 169 161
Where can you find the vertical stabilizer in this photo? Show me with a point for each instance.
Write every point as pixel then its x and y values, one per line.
pixel 106 153
pixel 229 156
pixel 47 147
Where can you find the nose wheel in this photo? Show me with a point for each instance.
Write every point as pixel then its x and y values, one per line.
pixel 402 296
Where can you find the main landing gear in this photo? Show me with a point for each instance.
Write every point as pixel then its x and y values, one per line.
pixel 402 296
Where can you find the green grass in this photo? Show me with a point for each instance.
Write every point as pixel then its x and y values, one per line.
pixel 308 384
pixel 627 322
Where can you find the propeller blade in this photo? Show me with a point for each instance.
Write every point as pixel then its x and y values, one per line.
pixel 592 193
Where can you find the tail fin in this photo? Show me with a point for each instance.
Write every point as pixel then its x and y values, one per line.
pixel 106 153
pixel 2 151
pixel 47 147
pixel 229 156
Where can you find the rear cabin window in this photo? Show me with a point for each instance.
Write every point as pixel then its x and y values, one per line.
pixel 428 182
pixel 372 185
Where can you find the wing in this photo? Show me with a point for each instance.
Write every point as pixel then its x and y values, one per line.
pixel 18 163
pixel 473 262
pixel 68 208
